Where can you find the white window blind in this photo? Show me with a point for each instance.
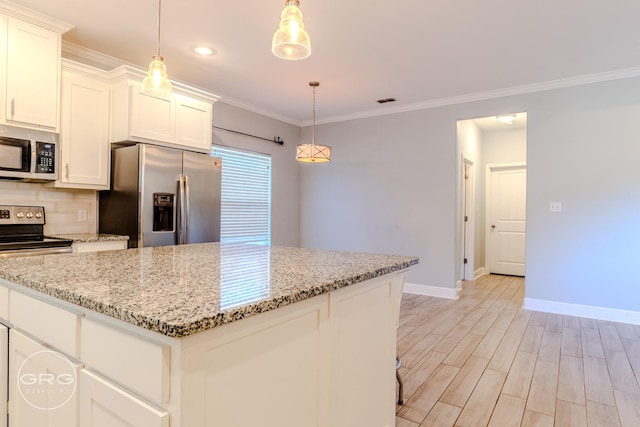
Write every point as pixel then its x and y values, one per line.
pixel 246 196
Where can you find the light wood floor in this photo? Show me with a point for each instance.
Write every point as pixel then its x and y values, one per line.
pixel 482 360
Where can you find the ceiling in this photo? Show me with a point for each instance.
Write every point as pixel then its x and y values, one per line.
pixel 418 52
pixel 491 124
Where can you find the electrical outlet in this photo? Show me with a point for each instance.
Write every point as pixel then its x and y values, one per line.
pixel 82 215
pixel 555 206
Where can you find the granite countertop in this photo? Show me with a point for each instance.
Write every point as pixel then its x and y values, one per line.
pixel 90 237
pixel 181 290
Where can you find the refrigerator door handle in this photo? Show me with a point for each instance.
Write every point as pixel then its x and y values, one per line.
pixel 187 209
pixel 181 207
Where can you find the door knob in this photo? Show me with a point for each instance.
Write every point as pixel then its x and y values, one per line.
pixel 493 226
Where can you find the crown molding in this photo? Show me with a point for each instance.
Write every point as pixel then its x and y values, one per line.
pixel 110 62
pixel 492 94
pixel 97 59
pixel 34 17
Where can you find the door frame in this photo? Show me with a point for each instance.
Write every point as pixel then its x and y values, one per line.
pixel 490 167
pixel 468 226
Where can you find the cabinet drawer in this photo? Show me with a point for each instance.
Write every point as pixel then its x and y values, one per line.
pixel 4 303
pixel 134 362
pixel 58 327
pixel 111 245
pixel 104 404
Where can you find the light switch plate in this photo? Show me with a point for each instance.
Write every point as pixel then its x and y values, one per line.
pixel 555 206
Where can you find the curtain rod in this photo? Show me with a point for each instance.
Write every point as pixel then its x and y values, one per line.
pixel 276 139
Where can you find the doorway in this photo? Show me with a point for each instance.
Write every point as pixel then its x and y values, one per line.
pixel 485 142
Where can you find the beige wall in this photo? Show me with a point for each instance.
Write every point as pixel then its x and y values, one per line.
pixel 61 206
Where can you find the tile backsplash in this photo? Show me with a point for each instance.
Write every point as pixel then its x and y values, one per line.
pixel 61 206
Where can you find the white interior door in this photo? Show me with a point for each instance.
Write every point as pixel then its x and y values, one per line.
pixel 507 220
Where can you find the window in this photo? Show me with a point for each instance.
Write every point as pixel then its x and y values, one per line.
pixel 246 196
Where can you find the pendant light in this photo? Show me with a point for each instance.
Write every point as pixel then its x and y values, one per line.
pixel 291 41
pixel 312 153
pixel 157 83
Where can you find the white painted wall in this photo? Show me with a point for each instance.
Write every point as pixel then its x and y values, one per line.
pixel 391 187
pixel 470 146
pixel 504 146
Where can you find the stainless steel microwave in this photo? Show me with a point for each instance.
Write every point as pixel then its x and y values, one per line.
pixel 28 160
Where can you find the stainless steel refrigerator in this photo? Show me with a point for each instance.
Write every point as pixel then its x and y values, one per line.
pixel 162 196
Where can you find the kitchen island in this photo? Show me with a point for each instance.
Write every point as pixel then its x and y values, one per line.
pixel 215 334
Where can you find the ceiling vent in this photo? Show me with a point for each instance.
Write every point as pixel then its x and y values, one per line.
pixel 384 101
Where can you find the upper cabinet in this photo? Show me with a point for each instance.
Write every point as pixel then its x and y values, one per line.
pixel 29 69
pixel 84 132
pixel 184 120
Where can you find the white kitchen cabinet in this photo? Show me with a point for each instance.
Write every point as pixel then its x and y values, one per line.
pixel 183 121
pixel 29 74
pixel 105 245
pixel 42 384
pixel 102 404
pixel 84 132
pixel 4 303
pixel 4 370
pixel 193 123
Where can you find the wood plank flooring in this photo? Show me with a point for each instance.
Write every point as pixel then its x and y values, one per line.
pixel 482 360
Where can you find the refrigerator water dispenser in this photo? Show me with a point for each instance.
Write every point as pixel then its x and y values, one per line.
pixel 163 211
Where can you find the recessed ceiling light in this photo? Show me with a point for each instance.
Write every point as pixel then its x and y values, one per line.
pixel 507 119
pixel 203 50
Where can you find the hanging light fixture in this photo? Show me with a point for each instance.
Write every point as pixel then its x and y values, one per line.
pixel 157 83
pixel 312 153
pixel 291 41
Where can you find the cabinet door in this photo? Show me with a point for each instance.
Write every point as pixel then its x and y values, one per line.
pixel 111 245
pixel 4 369
pixel 84 137
pixel 193 123
pixel 102 404
pixel 151 117
pixel 42 385
pixel 363 356
pixel 33 70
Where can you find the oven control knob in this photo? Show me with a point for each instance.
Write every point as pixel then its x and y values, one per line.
pixel 19 215
pixel 29 215
pixel 38 214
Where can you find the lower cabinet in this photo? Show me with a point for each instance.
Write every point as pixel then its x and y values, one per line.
pixel 107 245
pixel 4 369
pixel 327 361
pixel 102 404
pixel 42 385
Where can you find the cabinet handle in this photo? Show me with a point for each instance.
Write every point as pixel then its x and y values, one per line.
pixel 66 171
pixel 13 107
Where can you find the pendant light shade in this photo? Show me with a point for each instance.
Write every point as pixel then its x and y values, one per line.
pixel 291 41
pixel 157 82
pixel 313 153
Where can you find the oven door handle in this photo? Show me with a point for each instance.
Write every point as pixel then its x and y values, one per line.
pixel 35 252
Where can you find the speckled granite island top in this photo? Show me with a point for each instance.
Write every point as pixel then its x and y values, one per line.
pixel 181 290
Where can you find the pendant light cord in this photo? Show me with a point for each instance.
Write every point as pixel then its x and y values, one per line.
pixel 159 14
pixel 313 136
pixel 314 85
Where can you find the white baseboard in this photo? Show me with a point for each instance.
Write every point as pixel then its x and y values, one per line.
pixel 479 273
pixel 433 291
pixel 601 313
